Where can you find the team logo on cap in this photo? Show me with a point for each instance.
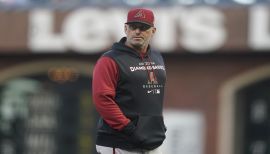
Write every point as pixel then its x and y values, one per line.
pixel 140 14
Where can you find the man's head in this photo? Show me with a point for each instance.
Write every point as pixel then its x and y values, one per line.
pixel 139 28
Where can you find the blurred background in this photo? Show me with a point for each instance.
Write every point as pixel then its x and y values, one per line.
pixel 217 55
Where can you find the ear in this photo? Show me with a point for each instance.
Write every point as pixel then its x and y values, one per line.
pixel 154 30
pixel 126 28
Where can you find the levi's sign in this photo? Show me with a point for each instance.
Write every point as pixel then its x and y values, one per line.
pixel 93 30
pixel 198 29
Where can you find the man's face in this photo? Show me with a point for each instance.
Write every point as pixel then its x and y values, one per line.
pixel 139 35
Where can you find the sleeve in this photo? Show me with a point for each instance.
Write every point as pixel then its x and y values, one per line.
pixel 105 76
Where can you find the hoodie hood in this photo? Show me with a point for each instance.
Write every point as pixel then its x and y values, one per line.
pixel 120 46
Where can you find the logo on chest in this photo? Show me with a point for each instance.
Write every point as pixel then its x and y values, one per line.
pixel 150 69
pixel 146 66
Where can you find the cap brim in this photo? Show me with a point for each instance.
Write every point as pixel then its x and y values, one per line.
pixel 130 22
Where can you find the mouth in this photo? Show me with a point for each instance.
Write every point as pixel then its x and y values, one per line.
pixel 138 38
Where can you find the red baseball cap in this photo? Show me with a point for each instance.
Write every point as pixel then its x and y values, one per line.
pixel 141 15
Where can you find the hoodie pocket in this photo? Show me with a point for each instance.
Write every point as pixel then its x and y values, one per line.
pixel 149 132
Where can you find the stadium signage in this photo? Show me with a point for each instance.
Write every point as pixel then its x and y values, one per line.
pixel 200 29
pixel 92 30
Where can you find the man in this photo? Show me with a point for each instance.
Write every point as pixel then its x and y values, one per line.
pixel 128 90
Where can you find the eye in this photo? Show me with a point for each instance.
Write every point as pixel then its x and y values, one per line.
pixel 132 27
pixel 144 27
pixel 141 27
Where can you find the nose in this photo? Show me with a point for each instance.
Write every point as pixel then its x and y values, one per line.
pixel 137 30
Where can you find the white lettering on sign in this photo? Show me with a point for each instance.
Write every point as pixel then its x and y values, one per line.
pixel 41 35
pixel 92 30
pixel 83 30
pixel 259 28
pixel 202 29
pixel 165 37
